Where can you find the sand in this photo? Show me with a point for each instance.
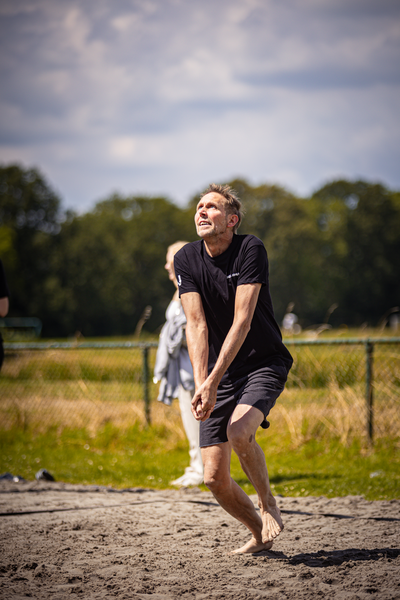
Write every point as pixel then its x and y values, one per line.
pixel 68 541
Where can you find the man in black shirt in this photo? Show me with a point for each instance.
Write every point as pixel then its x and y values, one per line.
pixel 240 363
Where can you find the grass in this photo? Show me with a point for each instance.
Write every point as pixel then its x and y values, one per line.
pixel 80 414
pixel 152 457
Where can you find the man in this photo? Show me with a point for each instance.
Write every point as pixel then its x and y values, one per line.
pixel 239 361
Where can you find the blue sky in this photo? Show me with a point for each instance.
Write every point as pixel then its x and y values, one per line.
pixel 165 96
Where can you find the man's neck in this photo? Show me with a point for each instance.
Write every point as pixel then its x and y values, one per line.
pixel 218 245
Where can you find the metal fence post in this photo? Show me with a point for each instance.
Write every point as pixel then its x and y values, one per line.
pixel 145 354
pixel 369 349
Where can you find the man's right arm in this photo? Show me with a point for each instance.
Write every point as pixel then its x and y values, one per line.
pixel 196 335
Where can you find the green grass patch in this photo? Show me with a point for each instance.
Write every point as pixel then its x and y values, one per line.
pixel 152 457
pixel 330 468
pixel 136 457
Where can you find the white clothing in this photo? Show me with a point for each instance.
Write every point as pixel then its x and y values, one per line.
pixel 192 429
pixel 174 370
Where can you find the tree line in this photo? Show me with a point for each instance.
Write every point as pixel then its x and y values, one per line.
pixel 97 272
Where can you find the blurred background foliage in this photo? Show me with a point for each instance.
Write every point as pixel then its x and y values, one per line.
pixel 95 273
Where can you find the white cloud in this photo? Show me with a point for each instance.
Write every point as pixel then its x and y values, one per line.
pixel 123 148
pixel 162 96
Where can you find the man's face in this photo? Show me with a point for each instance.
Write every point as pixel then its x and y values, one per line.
pixel 169 265
pixel 211 218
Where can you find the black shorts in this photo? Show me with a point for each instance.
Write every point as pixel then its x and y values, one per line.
pixel 260 389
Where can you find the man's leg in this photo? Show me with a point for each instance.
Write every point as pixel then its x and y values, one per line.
pixel 230 495
pixel 241 433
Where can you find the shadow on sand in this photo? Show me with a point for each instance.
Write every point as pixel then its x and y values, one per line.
pixel 324 558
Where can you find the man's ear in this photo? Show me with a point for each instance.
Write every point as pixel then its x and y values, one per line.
pixel 232 221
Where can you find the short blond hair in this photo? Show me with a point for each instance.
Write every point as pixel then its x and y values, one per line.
pixel 232 202
pixel 176 246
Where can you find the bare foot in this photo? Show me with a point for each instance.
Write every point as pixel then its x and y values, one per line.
pixel 252 547
pixel 272 524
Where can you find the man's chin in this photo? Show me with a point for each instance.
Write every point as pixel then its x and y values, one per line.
pixel 205 232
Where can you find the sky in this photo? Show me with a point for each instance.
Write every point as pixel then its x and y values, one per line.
pixel 163 97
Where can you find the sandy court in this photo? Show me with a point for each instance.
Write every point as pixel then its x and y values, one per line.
pixel 89 542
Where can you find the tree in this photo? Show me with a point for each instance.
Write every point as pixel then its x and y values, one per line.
pixel 97 272
pixel 110 265
pixel 30 217
pixel 363 220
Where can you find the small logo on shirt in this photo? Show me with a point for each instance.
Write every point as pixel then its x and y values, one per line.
pixel 232 275
pixel 179 280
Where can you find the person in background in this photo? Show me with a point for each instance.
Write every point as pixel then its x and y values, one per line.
pixel 4 305
pixel 174 371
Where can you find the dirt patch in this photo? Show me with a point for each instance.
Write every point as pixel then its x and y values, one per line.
pixel 66 541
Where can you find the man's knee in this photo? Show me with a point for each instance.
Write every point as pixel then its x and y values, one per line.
pixel 242 428
pixel 216 485
pixel 216 461
pixel 242 441
pixel 216 481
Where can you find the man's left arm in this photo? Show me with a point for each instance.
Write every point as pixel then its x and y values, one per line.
pixel 245 304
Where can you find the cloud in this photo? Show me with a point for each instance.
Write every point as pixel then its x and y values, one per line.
pixel 162 96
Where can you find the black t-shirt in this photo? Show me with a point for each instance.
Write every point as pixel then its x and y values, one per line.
pixel 216 280
pixel 4 291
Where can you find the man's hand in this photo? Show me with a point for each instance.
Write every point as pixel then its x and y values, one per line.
pixel 204 401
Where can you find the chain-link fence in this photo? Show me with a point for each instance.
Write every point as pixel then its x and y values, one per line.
pixel 350 387
pixel 345 388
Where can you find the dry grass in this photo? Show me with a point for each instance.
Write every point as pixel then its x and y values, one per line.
pixel 85 410
pixel 88 388
pixel 299 415
pixel 341 415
